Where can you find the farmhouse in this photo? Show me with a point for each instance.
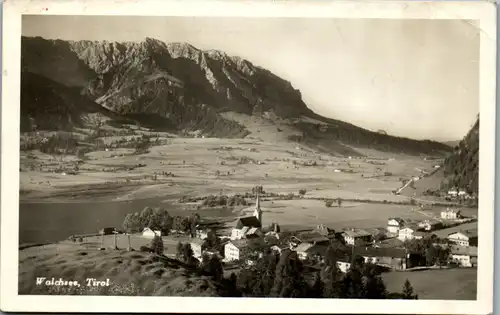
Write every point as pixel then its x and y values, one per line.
pixel 450 214
pixel 352 237
pixel 311 237
pixel 245 224
pixel 243 248
pixel 196 245
pixel 394 258
pixel 410 232
pixel 394 225
pixel 464 238
pixel 430 225
pixel 464 256
pixel 311 251
pixel 148 233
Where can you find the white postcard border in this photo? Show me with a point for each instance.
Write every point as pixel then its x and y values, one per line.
pixel 484 12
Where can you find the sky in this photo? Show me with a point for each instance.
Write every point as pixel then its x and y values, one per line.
pixel 411 78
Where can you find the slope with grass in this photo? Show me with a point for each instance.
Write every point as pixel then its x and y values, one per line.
pixel 129 273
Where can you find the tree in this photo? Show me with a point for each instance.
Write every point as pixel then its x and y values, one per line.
pixel 373 286
pixel 317 288
pixel 339 202
pixel 302 192
pixel 145 216
pixel 187 253
pixel 258 190
pixel 214 268
pixel 331 277
pixel 289 281
pixel 257 280
pixel 179 250
pixel 408 291
pixel 132 223
pixel 157 245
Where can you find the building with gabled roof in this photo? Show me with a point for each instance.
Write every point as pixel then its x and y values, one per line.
pixel 351 237
pixel 464 238
pixel 464 256
pixel 252 224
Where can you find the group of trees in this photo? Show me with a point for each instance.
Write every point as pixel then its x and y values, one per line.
pixel 59 143
pixel 160 219
pixel 285 275
pixel 223 200
pixel 429 251
pixel 329 202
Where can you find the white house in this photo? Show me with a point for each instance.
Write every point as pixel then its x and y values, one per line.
pixel 464 238
pixel 343 266
pixel 232 251
pixel 196 247
pixel 353 236
pixel 409 233
pixel 429 225
pixel 394 225
pixel 301 250
pixel 450 214
pixel 464 256
pixel 452 193
pixel 148 233
pixel 237 249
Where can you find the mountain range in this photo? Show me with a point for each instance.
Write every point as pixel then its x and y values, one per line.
pixel 177 87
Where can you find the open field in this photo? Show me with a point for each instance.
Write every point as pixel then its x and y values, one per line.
pixel 108 184
pixel 436 284
pixel 129 273
pixel 226 165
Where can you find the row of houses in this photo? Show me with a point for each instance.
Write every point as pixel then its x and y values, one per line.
pixel 248 241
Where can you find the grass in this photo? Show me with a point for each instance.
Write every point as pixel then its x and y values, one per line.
pixel 437 284
pixel 129 273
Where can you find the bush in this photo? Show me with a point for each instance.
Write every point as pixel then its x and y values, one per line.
pixel 302 192
pixel 145 249
pixel 328 203
pixel 157 245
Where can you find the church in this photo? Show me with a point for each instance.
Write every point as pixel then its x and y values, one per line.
pixel 248 227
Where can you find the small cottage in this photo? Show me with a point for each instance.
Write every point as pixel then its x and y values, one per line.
pixel 450 214
pixel 394 225
pixel 410 232
pixel 352 237
pixel 148 233
pixel 464 256
pixel 464 238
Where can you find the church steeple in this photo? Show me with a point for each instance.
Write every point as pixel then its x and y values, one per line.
pixel 258 212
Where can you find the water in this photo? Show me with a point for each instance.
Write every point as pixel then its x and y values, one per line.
pixel 51 222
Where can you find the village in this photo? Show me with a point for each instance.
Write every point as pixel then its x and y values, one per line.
pixel 447 241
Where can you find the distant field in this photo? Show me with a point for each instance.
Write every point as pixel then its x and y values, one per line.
pixel 309 213
pixel 444 284
pixel 216 164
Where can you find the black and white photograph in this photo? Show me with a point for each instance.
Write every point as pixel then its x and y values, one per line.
pixel 328 159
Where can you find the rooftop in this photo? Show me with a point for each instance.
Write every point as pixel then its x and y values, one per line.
pixel 380 252
pixel 356 233
pixel 460 250
pixel 468 233
pixel 311 237
pixel 248 221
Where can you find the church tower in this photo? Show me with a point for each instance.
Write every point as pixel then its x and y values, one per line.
pixel 258 212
